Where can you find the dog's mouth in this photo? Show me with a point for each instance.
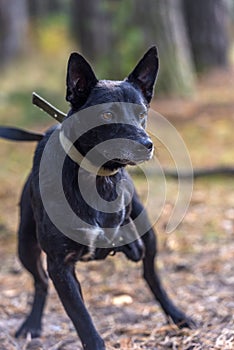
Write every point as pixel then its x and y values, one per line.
pixel 130 158
pixel 121 162
pixel 128 161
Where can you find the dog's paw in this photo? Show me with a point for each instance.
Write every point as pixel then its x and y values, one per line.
pixel 28 328
pixel 34 344
pixel 185 322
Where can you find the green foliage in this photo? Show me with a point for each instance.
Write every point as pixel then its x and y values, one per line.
pixel 127 41
pixel 21 112
pixel 42 71
pixel 51 34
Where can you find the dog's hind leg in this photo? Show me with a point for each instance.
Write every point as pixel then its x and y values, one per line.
pixel 153 280
pixel 150 273
pixel 30 256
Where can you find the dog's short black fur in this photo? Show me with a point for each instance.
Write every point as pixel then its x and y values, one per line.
pixel 37 232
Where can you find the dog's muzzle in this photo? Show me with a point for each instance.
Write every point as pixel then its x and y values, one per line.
pixel 134 153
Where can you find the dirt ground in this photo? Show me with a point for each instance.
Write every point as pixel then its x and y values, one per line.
pixel 195 261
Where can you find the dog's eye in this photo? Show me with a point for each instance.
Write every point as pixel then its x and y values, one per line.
pixel 143 115
pixel 107 116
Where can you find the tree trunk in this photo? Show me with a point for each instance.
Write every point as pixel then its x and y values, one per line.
pixel 163 24
pixel 207 23
pixel 106 35
pixel 13 29
pixel 41 8
pixel 91 27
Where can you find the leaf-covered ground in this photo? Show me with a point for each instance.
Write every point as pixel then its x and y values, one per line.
pixel 195 262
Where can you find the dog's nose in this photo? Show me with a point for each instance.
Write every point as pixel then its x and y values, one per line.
pixel 148 144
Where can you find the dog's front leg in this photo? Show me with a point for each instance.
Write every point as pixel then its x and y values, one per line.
pixel 68 289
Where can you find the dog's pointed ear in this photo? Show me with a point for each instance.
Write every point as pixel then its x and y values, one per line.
pixel 80 79
pixel 145 73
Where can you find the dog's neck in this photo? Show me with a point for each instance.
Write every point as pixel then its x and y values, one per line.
pixel 82 161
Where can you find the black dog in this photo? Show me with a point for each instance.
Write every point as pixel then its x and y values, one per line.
pixel 37 231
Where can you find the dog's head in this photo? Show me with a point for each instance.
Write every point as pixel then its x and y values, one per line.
pixel 116 110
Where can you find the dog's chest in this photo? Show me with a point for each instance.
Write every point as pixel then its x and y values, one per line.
pixel 103 202
pixel 105 205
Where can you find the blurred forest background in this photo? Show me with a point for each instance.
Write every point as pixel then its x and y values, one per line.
pixel 195 92
pixel 191 36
